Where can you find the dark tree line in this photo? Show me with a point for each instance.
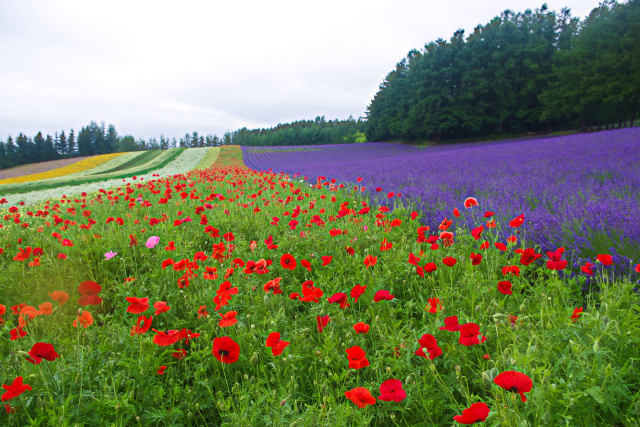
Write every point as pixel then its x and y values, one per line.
pixel 303 132
pixel 91 140
pixel 534 71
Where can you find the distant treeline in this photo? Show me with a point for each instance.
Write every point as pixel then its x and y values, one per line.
pixel 92 139
pixel 304 132
pixel 534 71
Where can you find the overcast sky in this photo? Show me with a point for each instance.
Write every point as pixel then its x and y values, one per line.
pixel 152 67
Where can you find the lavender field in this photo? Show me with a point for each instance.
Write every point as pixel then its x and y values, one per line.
pixel 580 191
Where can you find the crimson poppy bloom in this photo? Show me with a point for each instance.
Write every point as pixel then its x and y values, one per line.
pixel 391 390
pixel 456 212
pixel 430 267
pixel 137 305
pixel 357 358
pixel 357 291
pixel 577 312
pixel 322 321
pixel 515 382
pixel 361 328
pixel 476 259
pixel 451 324
pixel 165 339
pixel 528 256
pixel 370 261
pixel 339 298
pixel 228 319
pixel 500 246
pixel 382 295
pixel 413 259
pixel 161 369
pixel 517 221
pixel 587 269
pixel 477 412
pixel 89 290
pixel 470 202
pixel 638 268
pixel 429 342
pixel 326 260
pixel 434 305
pixel 449 261
pixel 288 262
pixel 42 350
pixel 504 287
pixel 15 389
pixel 477 232
pixel 350 250
pixel 161 307
pixel 276 344
pixel 145 322
pixel 469 333
pixel 605 259
pixel 226 350
pixel 555 262
pixel 360 396
pixel 511 269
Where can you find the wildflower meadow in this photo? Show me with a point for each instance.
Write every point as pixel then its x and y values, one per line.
pixel 211 293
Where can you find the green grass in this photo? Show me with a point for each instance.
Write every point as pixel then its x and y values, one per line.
pixel 583 372
pixel 140 160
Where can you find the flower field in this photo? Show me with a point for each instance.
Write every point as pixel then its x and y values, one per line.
pixel 580 191
pixel 232 296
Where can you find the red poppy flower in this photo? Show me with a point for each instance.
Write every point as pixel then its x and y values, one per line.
pixel 165 339
pixel 382 295
pixel 137 305
pixel 605 259
pixel 449 261
pixel 361 328
pixel 326 260
pixel 638 268
pixel 477 232
pixel 23 254
pixel 360 396
pixel 226 350
pixel 504 287
pixel 350 250
pixel 306 264
pixel 555 262
pixel 517 221
pixel 229 237
pixel 429 267
pixel 322 321
pixel 17 333
pixel 385 246
pixel 511 269
pixel 161 307
pixel 288 262
pixel 42 350
pixel 528 256
pixel 161 369
pixel 89 290
pixel 15 389
pixel 587 269
pixel 434 305
pixel 476 259
pixel 171 246
pixel 577 312
pixel 456 212
pixel 85 320
pixel 413 259
pixel 276 344
pixel 515 382
pixel 273 285
pixel 429 342
pixel 484 245
pixel 146 324
pixel 501 246
pixel 357 358
pixel 470 202
pixel 357 291
pixel 451 324
pixel 391 390
pixel 477 412
pixel 180 354
pixel 370 261
pixel 339 298
pixel 469 333
pixel 228 319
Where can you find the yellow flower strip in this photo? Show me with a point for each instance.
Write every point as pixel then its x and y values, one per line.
pixel 209 159
pixel 76 167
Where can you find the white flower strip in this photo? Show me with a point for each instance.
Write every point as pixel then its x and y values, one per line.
pixel 183 163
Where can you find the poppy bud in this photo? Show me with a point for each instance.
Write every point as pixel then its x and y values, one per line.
pixel 457 368
pixel 486 381
pixel 388 369
pixel 254 358
pixel 432 367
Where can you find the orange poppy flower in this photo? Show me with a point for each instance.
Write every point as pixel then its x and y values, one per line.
pixel 85 319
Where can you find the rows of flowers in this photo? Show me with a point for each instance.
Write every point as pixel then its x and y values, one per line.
pixel 183 163
pixel 227 295
pixel 76 167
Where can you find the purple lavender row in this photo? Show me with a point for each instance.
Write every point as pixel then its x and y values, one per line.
pixel 580 191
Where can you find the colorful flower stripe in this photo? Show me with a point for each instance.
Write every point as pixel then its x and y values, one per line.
pixel 73 168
